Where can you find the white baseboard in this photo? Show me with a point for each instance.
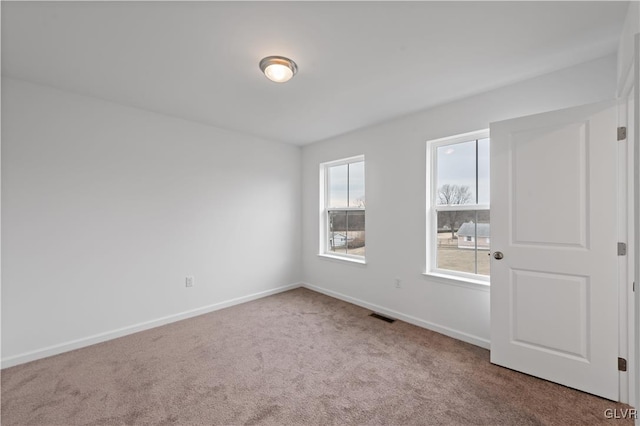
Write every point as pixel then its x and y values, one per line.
pixel 465 337
pixel 113 334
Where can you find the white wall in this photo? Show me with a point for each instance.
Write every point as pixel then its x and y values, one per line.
pixel 106 209
pixel 626 47
pixel 395 191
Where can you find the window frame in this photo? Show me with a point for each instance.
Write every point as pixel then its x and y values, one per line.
pixel 324 210
pixel 432 209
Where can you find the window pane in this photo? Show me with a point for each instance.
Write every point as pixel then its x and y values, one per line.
pixel 346 232
pixel 484 242
pixel 463 241
pixel 456 180
pixel 337 187
pixel 355 233
pixel 454 252
pixel 337 232
pixel 483 171
pixel 356 184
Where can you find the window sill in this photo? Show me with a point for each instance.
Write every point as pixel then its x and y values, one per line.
pixel 343 258
pixel 458 281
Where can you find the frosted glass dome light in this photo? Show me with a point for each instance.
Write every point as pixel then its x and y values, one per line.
pixel 278 68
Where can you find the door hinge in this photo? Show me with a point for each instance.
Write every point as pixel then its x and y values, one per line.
pixel 622 364
pixel 633 286
pixel 622 249
pixel 622 133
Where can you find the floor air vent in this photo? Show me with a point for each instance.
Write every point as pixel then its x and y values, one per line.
pixel 382 317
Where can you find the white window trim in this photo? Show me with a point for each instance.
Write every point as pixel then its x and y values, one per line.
pixel 323 249
pixel 431 217
pixel 344 257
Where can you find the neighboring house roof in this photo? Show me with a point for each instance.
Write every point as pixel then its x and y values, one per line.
pixel 469 229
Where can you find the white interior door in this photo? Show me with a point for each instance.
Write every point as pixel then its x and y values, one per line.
pixel 554 294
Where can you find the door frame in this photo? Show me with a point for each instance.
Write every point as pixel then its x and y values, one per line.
pixel 626 264
pixel 635 182
pixel 629 229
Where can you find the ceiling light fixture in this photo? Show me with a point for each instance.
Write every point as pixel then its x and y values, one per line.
pixel 278 68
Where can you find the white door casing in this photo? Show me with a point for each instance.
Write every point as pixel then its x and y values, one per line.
pixel 554 295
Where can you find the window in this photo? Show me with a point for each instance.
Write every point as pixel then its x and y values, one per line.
pixel 343 214
pixel 458 206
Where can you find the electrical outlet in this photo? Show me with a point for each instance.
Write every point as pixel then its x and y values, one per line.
pixel 397 282
pixel 189 281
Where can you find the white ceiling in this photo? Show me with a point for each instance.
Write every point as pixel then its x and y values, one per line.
pixel 359 62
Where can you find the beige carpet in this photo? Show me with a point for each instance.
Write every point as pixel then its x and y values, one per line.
pixel 294 358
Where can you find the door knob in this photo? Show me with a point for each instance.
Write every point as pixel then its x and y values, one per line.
pixel 498 255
